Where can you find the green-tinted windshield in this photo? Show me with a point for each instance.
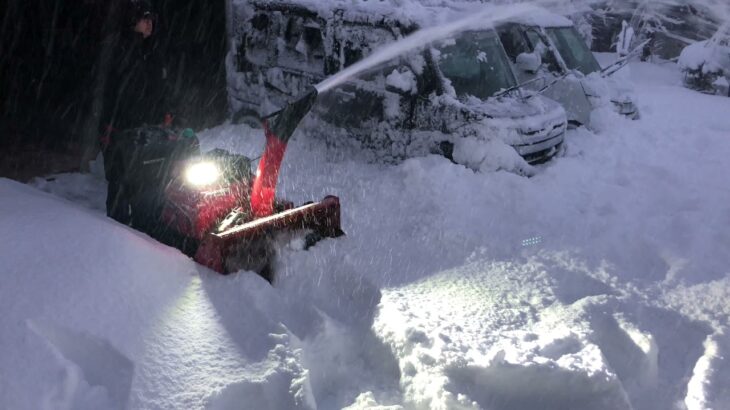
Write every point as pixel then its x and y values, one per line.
pixel 476 64
pixel 573 49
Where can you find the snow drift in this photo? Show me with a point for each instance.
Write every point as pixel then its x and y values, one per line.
pixel 600 282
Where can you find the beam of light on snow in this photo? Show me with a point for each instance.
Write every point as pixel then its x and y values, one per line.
pixel 189 334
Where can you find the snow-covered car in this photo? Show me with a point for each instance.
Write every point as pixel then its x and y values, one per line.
pixel 440 98
pixel 669 25
pixel 549 55
pixel 706 64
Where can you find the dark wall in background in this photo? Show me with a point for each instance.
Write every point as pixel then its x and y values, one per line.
pixel 193 33
pixel 49 51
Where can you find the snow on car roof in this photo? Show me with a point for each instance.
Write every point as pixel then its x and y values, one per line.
pixel 541 17
pixel 406 12
pixel 418 13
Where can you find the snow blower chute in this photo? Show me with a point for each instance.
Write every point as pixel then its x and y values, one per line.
pixel 231 215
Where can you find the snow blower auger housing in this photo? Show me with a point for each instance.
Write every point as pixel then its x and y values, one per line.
pixel 215 209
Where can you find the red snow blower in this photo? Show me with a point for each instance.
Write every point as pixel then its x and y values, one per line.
pixel 212 207
pixel 241 238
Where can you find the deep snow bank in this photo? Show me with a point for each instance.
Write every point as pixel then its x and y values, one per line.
pixel 96 315
pixel 508 292
pixel 574 262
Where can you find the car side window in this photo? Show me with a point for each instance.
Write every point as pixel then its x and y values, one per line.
pixel 302 46
pixel 352 53
pixel 548 57
pixel 260 40
pixel 358 41
pixel 513 41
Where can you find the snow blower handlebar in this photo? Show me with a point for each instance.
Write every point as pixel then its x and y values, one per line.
pixel 278 129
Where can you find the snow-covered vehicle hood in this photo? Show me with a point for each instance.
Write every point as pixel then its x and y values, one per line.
pixel 516 120
pixel 512 107
pixel 535 127
pixel 525 115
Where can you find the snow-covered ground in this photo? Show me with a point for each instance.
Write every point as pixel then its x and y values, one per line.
pixel 603 282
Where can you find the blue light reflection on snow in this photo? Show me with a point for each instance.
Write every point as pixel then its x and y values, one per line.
pixel 532 241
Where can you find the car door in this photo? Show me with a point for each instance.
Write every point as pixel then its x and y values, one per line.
pixel 373 112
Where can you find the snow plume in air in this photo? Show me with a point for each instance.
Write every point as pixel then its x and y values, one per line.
pixel 484 16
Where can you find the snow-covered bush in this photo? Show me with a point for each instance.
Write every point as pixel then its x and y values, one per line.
pixel 706 64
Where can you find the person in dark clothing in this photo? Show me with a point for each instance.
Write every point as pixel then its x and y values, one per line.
pixel 134 96
pixel 135 91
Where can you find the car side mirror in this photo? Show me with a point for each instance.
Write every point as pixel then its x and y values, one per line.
pixel 529 62
pixel 402 81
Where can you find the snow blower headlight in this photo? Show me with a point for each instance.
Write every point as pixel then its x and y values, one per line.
pixel 202 173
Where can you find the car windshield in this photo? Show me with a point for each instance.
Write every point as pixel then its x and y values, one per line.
pixel 476 64
pixel 573 49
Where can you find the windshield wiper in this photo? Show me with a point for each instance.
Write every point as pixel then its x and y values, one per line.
pixel 540 91
pixel 551 83
pixel 515 87
pixel 621 62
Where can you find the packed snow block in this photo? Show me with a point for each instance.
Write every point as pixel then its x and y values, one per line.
pixel 96 375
